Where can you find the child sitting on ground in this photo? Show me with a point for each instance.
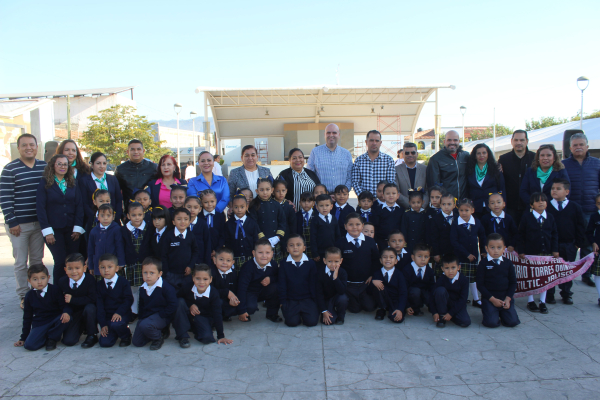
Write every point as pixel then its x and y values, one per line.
pixel 449 295
pixel 391 288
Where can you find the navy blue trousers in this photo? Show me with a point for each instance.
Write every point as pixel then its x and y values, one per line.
pixel 303 311
pixel 269 295
pixel 360 298
pixel 385 302
pixel 149 329
pixel 337 306
pixel 38 336
pixel 85 318
pixel 443 303
pixel 63 246
pixel 493 316
pixel 119 329
pixel 417 298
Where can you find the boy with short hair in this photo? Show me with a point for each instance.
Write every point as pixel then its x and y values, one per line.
pixel 360 258
pixel 368 212
pixel 380 199
pixel 105 238
pixel 497 282
pixel 180 250
pixel 341 208
pixel 498 221
pixel 113 304
pixel 303 219
pixel 79 291
pixel 257 282
pixel 45 313
pixel 449 295
pixel 391 288
pixel 331 288
pixel 396 241
pixel 324 228
pixel 225 281
pixel 439 233
pixel 390 216
pixel 369 229
pixel 419 279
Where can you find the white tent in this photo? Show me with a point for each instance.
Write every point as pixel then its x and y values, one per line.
pixel 550 135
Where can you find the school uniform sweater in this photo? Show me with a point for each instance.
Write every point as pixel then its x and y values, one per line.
pixel 209 307
pixel 535 238
pixel 203 240
pixel 458 293
pixel 102 241
pixel 504 225
pixel 361 262
pixel 593 229
pixel 270 217
pixel 241 241
pixel 301 222
pixel 411 279
pixel 395 288
pixel 225 283
pixel 39 311
pixel 497 280
pixel 323 234
pixel 145 250
pixel 163 301
pixel 389 221
pixel 572 223
pixel 249 280
pixel 179 253
pixel 467 241
pixel 156 247
pixel 430 212
pixel 81 296
pixel 327 287
pixel 297 283
pixel 118 300
pixel 217 230
pixel 340 214
pixel 404 259
pixel 371 215
pixel 290 219
pixel 414 228
pixel 440 234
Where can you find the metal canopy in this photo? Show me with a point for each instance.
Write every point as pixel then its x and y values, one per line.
pixel 64 93
pixel 257 112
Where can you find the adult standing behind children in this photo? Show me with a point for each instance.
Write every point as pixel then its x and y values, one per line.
pixel 483 178
pixel 410 175
pixel 167 175
pixel 546 167
pixel 136 172
pixel 331 163
pixel 209 180
pixel 299 179
pixel 372 167
pixel 99 179
pixel 18 186
pixel 248 174
pixel 448 167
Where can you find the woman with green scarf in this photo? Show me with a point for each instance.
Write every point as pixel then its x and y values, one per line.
pixel 483 178
pixel 59 210
pixel 70 149
pixel 546 167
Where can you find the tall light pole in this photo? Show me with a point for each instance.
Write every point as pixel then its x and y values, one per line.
pixel 192 113
pixel 463 110
pixel 582 84
pixel 178 108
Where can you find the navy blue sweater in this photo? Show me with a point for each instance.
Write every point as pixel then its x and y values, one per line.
pixel 224 284
pixel 102 241
pixel 389 221
pixel 178 253
pixel 480 194
pixel 163 301
pixel 270 217
pixel 458 293
pixel 440 234
pixel 593 229
pixel 412 281
pixel 572 224
pixel 467 241
pixel 395 288
pixel 83 295
pixel 531 183
pixel 217 231
pixel 323 234
pixel 404 260
pixel 210 307
pixel 57 210
pixel 115 301
pixel 536 239
pixel 203 240
pixel 18 186
pixel 297 283
pixel 359 263
pixel 40 311
pixel 341 214
pixel 499 281
pixel 244 244
pixel 156 248
pixel 371 215
pixel 507 228
pixel 585 181
pixel 414 228
pixel 290 220
pixel 249 280
pixel 145 249
pixel 327 287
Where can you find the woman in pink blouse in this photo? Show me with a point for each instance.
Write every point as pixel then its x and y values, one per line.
pixel 167 175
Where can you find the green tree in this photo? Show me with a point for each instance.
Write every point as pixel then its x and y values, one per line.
pixel 501 130
pixel 595 114
pixel 544 122
pixel 111 130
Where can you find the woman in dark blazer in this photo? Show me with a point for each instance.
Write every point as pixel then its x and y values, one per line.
pixel 99 179
pixel 298 178
pixel 246 176
pixel 483 177
pixel 60 211
pixel 545 168
pixel 167 175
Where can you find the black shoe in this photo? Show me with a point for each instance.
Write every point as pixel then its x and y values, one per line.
pixel 184 343
pixel 531 306
pixel 166 332
pixel 476 303
pixel 228 319
pixel 568 301
pixel 380 315
pixel 341 321
pixel 275 318
pixel 156 344
pixel 587 280
pixel 125 342
pixel 50 344
pixel 133 317
pixel 441 323
pixel 550 300
pixel 89 342
pixel 543 308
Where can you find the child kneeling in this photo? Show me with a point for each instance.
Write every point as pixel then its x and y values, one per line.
pixel 449 295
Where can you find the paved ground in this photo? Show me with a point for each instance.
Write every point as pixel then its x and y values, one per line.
pixel 554 356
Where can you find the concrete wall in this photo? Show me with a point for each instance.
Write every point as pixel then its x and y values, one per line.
pixel 84 107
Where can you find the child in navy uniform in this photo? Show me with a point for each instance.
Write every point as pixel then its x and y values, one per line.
pixel 419 278
pixel 414 220
pixel 45 313
pixel 497 221
pixel 180 250
pixel 157 305
pixel 391 288
pixel 497 282
pixel 199 228
pixel 99 197
pixel 214 220
pixel 390 216
pixel 178 195
pixel 396 241
pixel 571 235
pixel 79 289
pixel 365 208
pixel 593 236
pixel 449 295
pixel 297 285
pixel 269 215
pixel 538 236
pixel 467 237
pixel 439 233
pixel 105 238
pixel 225 281
pixel 142 197
pixel 113 304
pixel 380 201
pixel 324 228
pixel 434 208
pixel 331 288
pixel 161 219
pixel 257 281
pixel 369 229
pixel 360 259
pixel 241 231
pixel 341 208
pixel 303 219
pixel 279 191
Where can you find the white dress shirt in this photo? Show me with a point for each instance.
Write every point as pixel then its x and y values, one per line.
pixel 150 289
pixel 206 293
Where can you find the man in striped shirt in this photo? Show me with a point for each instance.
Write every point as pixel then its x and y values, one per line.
pixel 331 163
pixel 18 188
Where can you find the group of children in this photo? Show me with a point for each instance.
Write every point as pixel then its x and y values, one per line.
pixel 190 267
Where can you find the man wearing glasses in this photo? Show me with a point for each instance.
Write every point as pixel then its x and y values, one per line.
pixel 448 167
pixel 411 175
pixel 372 167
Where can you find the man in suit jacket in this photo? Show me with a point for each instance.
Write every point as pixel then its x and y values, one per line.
pixel 411 175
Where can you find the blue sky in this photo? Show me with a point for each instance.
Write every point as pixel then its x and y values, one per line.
pixel 522 57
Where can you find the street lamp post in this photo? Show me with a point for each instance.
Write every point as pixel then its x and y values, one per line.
pixel 582 84
pixel 463 110
pixel 178 108
pixel 192 113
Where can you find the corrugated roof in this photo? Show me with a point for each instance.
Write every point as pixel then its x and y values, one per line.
pixel 63 93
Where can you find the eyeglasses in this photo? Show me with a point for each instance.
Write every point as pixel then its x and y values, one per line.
pixel 410 153
pixel 61 165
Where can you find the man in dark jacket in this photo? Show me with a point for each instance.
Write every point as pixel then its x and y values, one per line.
pixel 514 164
pixel 584 173
pixel 448 167
pixel 136 172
